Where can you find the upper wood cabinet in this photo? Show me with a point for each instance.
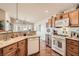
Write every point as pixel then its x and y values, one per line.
pixel 74 18
pixel 50 22
pixel 53 21
pixel 59 16
pixel 65 15
pixel 22 48
pixel 2 15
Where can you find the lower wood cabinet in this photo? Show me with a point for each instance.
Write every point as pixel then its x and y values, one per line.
pixel 72 47
pixel 0 52
pixel 22 48
pixel 10 49
pixel 12 53
pixel 16 49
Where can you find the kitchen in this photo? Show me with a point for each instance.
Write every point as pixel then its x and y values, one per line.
pixel 33 29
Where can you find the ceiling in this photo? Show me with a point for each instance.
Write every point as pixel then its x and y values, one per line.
pixel 34 12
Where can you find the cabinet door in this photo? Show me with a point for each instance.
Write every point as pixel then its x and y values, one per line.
pixel 59 16
pixel 53 21
pixel 9 49
pixel 22 48
pixel 72 47
pixel 0 52
pixel 2 15
pixel 21 51
pixel 50 22
pixel 74 18
pixel 33 45
pixel 65 15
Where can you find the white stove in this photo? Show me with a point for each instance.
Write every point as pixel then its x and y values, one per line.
pixel 59 44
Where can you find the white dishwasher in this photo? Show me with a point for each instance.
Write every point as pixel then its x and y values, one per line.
pixel 33 45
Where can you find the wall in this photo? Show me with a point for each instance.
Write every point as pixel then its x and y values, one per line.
pixel 7 18
pixel 75 29
pixel 43 28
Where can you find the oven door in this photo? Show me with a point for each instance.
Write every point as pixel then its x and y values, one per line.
pixel 59 44
pixel 54 41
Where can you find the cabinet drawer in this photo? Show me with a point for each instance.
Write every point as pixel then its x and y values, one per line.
pixel 22 43
pixel 9 49
pixel 12 53
pixel 73 49
pixel 72 42
pixel 71 53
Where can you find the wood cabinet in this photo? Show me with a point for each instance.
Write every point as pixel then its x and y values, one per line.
pixel 74 18
pixel 65 15
pixel 59 16
pixel 17 49
pixel 72 47
pixel 50 22
pixel 10 50
pixel 33 46
pixel 0 52
pixel 2 15
pixel 53 21
pixel 22 48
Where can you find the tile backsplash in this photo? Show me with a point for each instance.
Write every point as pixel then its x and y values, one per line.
pixel 2 36
pixel 75 29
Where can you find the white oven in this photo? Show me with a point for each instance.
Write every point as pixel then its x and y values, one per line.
pixel 59 44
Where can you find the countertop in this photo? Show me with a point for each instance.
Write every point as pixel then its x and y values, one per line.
pixel 72 38
pixel 14 40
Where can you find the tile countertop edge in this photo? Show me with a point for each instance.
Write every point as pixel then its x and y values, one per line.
pixel 15 40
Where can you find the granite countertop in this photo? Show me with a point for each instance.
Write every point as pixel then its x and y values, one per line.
pixel 14 40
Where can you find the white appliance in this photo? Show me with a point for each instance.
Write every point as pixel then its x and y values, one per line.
pixel 62 22
pixel 33 45
pixel 48 37
pixel 59 44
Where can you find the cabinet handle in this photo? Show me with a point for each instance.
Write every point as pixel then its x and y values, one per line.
pixel 18 49
pixel 10 48
pixel 72 48
pixel 21 42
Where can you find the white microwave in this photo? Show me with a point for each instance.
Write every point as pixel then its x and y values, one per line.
pixel 62 22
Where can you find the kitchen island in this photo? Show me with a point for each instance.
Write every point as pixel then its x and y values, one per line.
pixel 20 46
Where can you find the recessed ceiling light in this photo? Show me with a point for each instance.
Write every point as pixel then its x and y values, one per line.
pixel 46 11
